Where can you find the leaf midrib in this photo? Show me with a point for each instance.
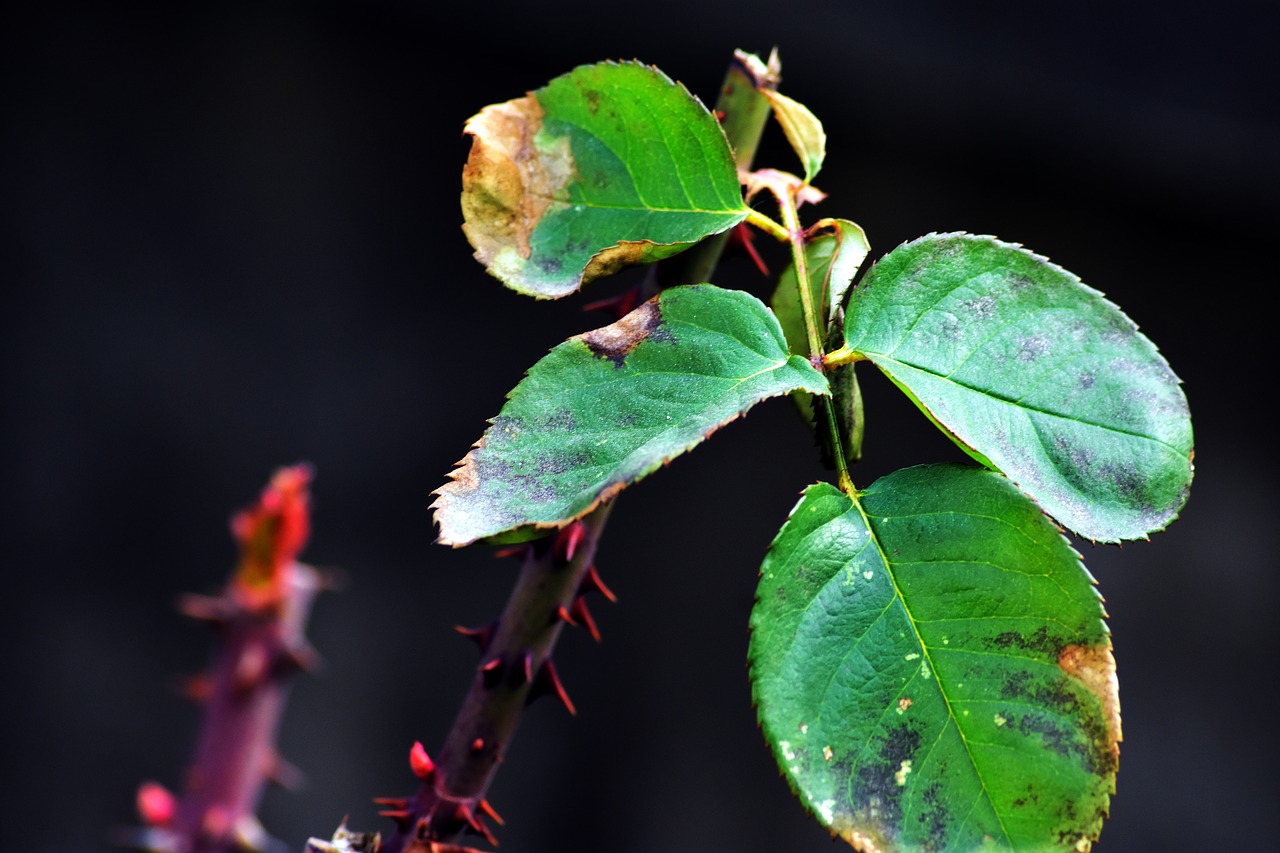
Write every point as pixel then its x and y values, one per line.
pixel 877 358
pixel 928 658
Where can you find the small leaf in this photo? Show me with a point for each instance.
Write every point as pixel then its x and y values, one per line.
pixel 803 131
pixel 1032 373
pixel 609 165
pixel 833 261
pixel 606 408
pixel 932 670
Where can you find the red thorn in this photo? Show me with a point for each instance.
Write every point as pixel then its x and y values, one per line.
pixel 203 608
pixel 156 806
pixel 741 235
pixel 562 613
pixel 197 688
pixel 528 667
pixel 592 582
pixel 492 812
pixel 548 682
pixel 477 745
pixel 392 802
pixel 491 671
pixel 250 669
pixel 285 774
pixel 481 636
pixel 513 551
pixel 619 306
pixel 304 657
pixel 467 816
pixel 584 616
pixel 422 765
pixel 400 816
pixel 719 114
pixel 568 540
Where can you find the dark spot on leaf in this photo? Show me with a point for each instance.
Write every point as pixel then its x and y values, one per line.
pixel 593 100
pixel 615 342
pixel 1032 348
pixel 982 307
pixel 561 421
pixel 1085 381
pixel 1040 641
pixel 935 816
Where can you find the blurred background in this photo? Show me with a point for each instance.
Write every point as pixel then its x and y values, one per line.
pixel 231 242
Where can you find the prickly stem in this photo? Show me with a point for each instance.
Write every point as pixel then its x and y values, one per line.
pixel 260 619
pixel 516 666
pixel 492 707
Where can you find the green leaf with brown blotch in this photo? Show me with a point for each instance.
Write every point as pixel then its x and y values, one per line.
pixel 606 166
pixel 931 668
pixel 1034 374
pixel 608 407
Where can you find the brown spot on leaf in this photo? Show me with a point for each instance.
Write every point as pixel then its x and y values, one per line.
pixel 509 182
pixel 1095 668
pixel 607 262
pixel 615 342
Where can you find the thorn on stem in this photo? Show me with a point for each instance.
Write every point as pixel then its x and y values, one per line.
pixel 492 812
pixel 421 764
pixel 481 636
pixel 742 236
pixel 584 616
pixel 156 806
pixel 568 540
pixel 465 815
pixel 548 683
pixel 592 582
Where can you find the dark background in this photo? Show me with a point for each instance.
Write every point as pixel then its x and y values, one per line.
pixel 231 242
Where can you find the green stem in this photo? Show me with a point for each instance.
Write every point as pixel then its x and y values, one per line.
pixel 796 235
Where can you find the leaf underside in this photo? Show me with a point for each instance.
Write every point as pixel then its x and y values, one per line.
pixel 606 408
pixel 933 672
pixel 1033 373
pixel 609 165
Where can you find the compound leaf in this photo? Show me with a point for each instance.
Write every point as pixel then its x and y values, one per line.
pixel 1034 374
pixel 932 670
pixel 608 407
pixel 609 165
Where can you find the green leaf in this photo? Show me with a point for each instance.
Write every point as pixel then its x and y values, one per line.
pixel 609 165
pixel 833 261
pixel 606 408
pixel 932 670
pixel 802 129
pixel 1032 373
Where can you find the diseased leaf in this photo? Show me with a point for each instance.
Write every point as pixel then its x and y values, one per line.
pixel 932 670
pixel 1032 373
pixel 833 261
pixel 606 166
pixel 803 131
pixel 608 407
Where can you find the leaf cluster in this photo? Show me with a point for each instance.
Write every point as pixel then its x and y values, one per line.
pixel 928 655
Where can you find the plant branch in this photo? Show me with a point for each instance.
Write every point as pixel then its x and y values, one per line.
pixel 260 621
pixel 516 664
pixel 786 195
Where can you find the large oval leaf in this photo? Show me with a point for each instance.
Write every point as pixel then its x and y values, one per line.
pixel 606 408
pixel 1033 373
pixel 932 670
pixel 608 165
